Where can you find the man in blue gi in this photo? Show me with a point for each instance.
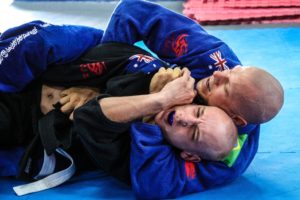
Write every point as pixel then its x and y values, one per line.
pixel 249 95
pixel 177 39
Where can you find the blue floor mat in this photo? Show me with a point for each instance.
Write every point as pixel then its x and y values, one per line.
pixel 274 173
pixel 87 186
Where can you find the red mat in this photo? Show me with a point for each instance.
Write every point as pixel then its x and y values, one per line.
pixel 215 12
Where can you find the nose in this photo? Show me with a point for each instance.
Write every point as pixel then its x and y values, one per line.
pixel 187 120
pixel 220 77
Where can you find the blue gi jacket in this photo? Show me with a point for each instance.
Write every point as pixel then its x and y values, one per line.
pixel 156 171
pixel 173 37
pixel 27 50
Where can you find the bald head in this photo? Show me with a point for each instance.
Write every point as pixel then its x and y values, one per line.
pixel 223 137
pixel 246 94
pixel 259 97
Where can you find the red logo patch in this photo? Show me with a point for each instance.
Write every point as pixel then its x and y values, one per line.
pixel 96 68
pixel 180 45
pixel 190 170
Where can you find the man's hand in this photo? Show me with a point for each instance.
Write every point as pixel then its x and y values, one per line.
pixel 129 108
pixel 162 77
pixel 75 97
pixel 179 91
pixel 50 95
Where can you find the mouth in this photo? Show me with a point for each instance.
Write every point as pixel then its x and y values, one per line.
pixel 171 118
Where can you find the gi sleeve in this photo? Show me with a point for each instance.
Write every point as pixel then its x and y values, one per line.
pixel 157 172
pixel 173 37
pixel 27 50
pixel 107 142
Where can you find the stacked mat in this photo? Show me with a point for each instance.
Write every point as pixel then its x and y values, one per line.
pixel 221 12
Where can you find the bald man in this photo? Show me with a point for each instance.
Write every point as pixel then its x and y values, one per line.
pixel 255 95
pixel 249 95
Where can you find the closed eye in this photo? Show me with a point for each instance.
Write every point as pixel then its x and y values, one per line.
pixel 201 111
pixel 196 133
pixel 207 85
pixel 198 112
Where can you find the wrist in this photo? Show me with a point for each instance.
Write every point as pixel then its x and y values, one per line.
pixel 161 100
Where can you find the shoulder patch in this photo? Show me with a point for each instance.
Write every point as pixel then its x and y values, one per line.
pixel 233 155
pixel 190 170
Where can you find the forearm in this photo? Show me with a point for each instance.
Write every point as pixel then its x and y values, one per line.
pixel 126 109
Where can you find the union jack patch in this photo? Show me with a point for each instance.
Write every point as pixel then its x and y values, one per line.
pixel 220 62
pixel 142 58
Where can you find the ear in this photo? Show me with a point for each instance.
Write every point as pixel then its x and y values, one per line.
pixel 239 121
pixel 189 157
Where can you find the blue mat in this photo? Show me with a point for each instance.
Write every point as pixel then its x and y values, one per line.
pixel 274 173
